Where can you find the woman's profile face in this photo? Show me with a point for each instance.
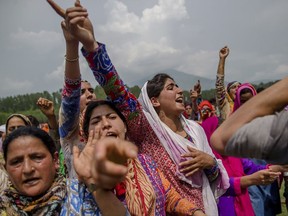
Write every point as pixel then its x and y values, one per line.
pixel 14 123
pixel 108 121
pixel 30 166
pixel 171 99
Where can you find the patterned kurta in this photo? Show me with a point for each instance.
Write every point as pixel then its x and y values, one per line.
pixel 167 199
pixel 139 129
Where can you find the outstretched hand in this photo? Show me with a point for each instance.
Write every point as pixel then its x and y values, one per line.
pixel 77 25
pixel 265 177
pixel 103 159
pixel 224 52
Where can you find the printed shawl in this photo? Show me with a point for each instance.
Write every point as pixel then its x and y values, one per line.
pixel 12 203
pixel 176 145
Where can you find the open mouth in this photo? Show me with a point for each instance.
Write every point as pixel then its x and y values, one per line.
pixel 179 100
pixel 31 181
pixel 111 134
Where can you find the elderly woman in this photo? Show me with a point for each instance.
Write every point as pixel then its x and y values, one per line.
pixel 38 189
pixel 179 147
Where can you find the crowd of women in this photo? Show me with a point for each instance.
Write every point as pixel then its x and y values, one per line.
pixel 129 156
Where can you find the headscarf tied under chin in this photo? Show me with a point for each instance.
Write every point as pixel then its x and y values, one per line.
pixel 176 145
pixel 237 100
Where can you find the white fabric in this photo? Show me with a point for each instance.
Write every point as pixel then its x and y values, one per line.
pixel 175 145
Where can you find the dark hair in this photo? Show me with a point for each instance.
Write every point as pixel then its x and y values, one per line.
pixel 88 112
pixel 156 84
pixel 32 132
pixel 246 90
pixel 34 121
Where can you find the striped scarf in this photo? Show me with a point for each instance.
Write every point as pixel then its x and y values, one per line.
pixel 140 195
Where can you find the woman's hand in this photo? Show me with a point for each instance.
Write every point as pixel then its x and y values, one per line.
pixel 109 166
pixel 199 161
pixel 262 177
pixel 83 160
pixel 103 159
pixel 46 106
pixel 77 25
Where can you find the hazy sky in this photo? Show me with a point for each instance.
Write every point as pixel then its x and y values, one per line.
pixel 144 37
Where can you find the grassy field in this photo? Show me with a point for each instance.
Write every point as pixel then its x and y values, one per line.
pixel 284 210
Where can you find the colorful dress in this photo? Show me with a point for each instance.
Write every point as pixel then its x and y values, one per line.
pixel 64 198
pixel 150 192
pixel 236 200
pixel 140 131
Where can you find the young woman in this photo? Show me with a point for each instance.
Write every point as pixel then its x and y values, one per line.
pixel 144 189
pixel 193 170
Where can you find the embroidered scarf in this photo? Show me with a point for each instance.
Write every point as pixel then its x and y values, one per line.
pixel 175 145
pixel 12 203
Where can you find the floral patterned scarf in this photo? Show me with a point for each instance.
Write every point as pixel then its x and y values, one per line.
pixel 12 203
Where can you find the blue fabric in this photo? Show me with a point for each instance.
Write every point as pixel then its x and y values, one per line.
pixel 79 201
pixel 265 199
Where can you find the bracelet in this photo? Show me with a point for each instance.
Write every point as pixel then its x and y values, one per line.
pixel 72 60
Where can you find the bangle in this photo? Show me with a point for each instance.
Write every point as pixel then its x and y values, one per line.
pixel 71 60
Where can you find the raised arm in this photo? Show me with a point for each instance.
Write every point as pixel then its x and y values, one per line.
pixel 267 102
pixel 221 98
pixel 47 108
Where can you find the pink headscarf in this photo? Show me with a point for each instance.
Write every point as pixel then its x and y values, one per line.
pixel 237 101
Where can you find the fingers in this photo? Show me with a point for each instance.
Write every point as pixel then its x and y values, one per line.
pixel 112 169
pixel 43 102
pixel 76 152
pixel 268 177
pixel 192 172
pixel 60 11
pixel 91 136
pixel 107 181
pixel 128 149
pixel 77 3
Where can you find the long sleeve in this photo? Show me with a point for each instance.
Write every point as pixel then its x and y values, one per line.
pixel 221 97
pixel 250 167
pixel 116 91
pixel 68 120
pixel 175 204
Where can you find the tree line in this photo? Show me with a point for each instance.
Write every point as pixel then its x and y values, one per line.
pixel 26 104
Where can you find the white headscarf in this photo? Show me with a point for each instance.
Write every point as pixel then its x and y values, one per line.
pixel 175 145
